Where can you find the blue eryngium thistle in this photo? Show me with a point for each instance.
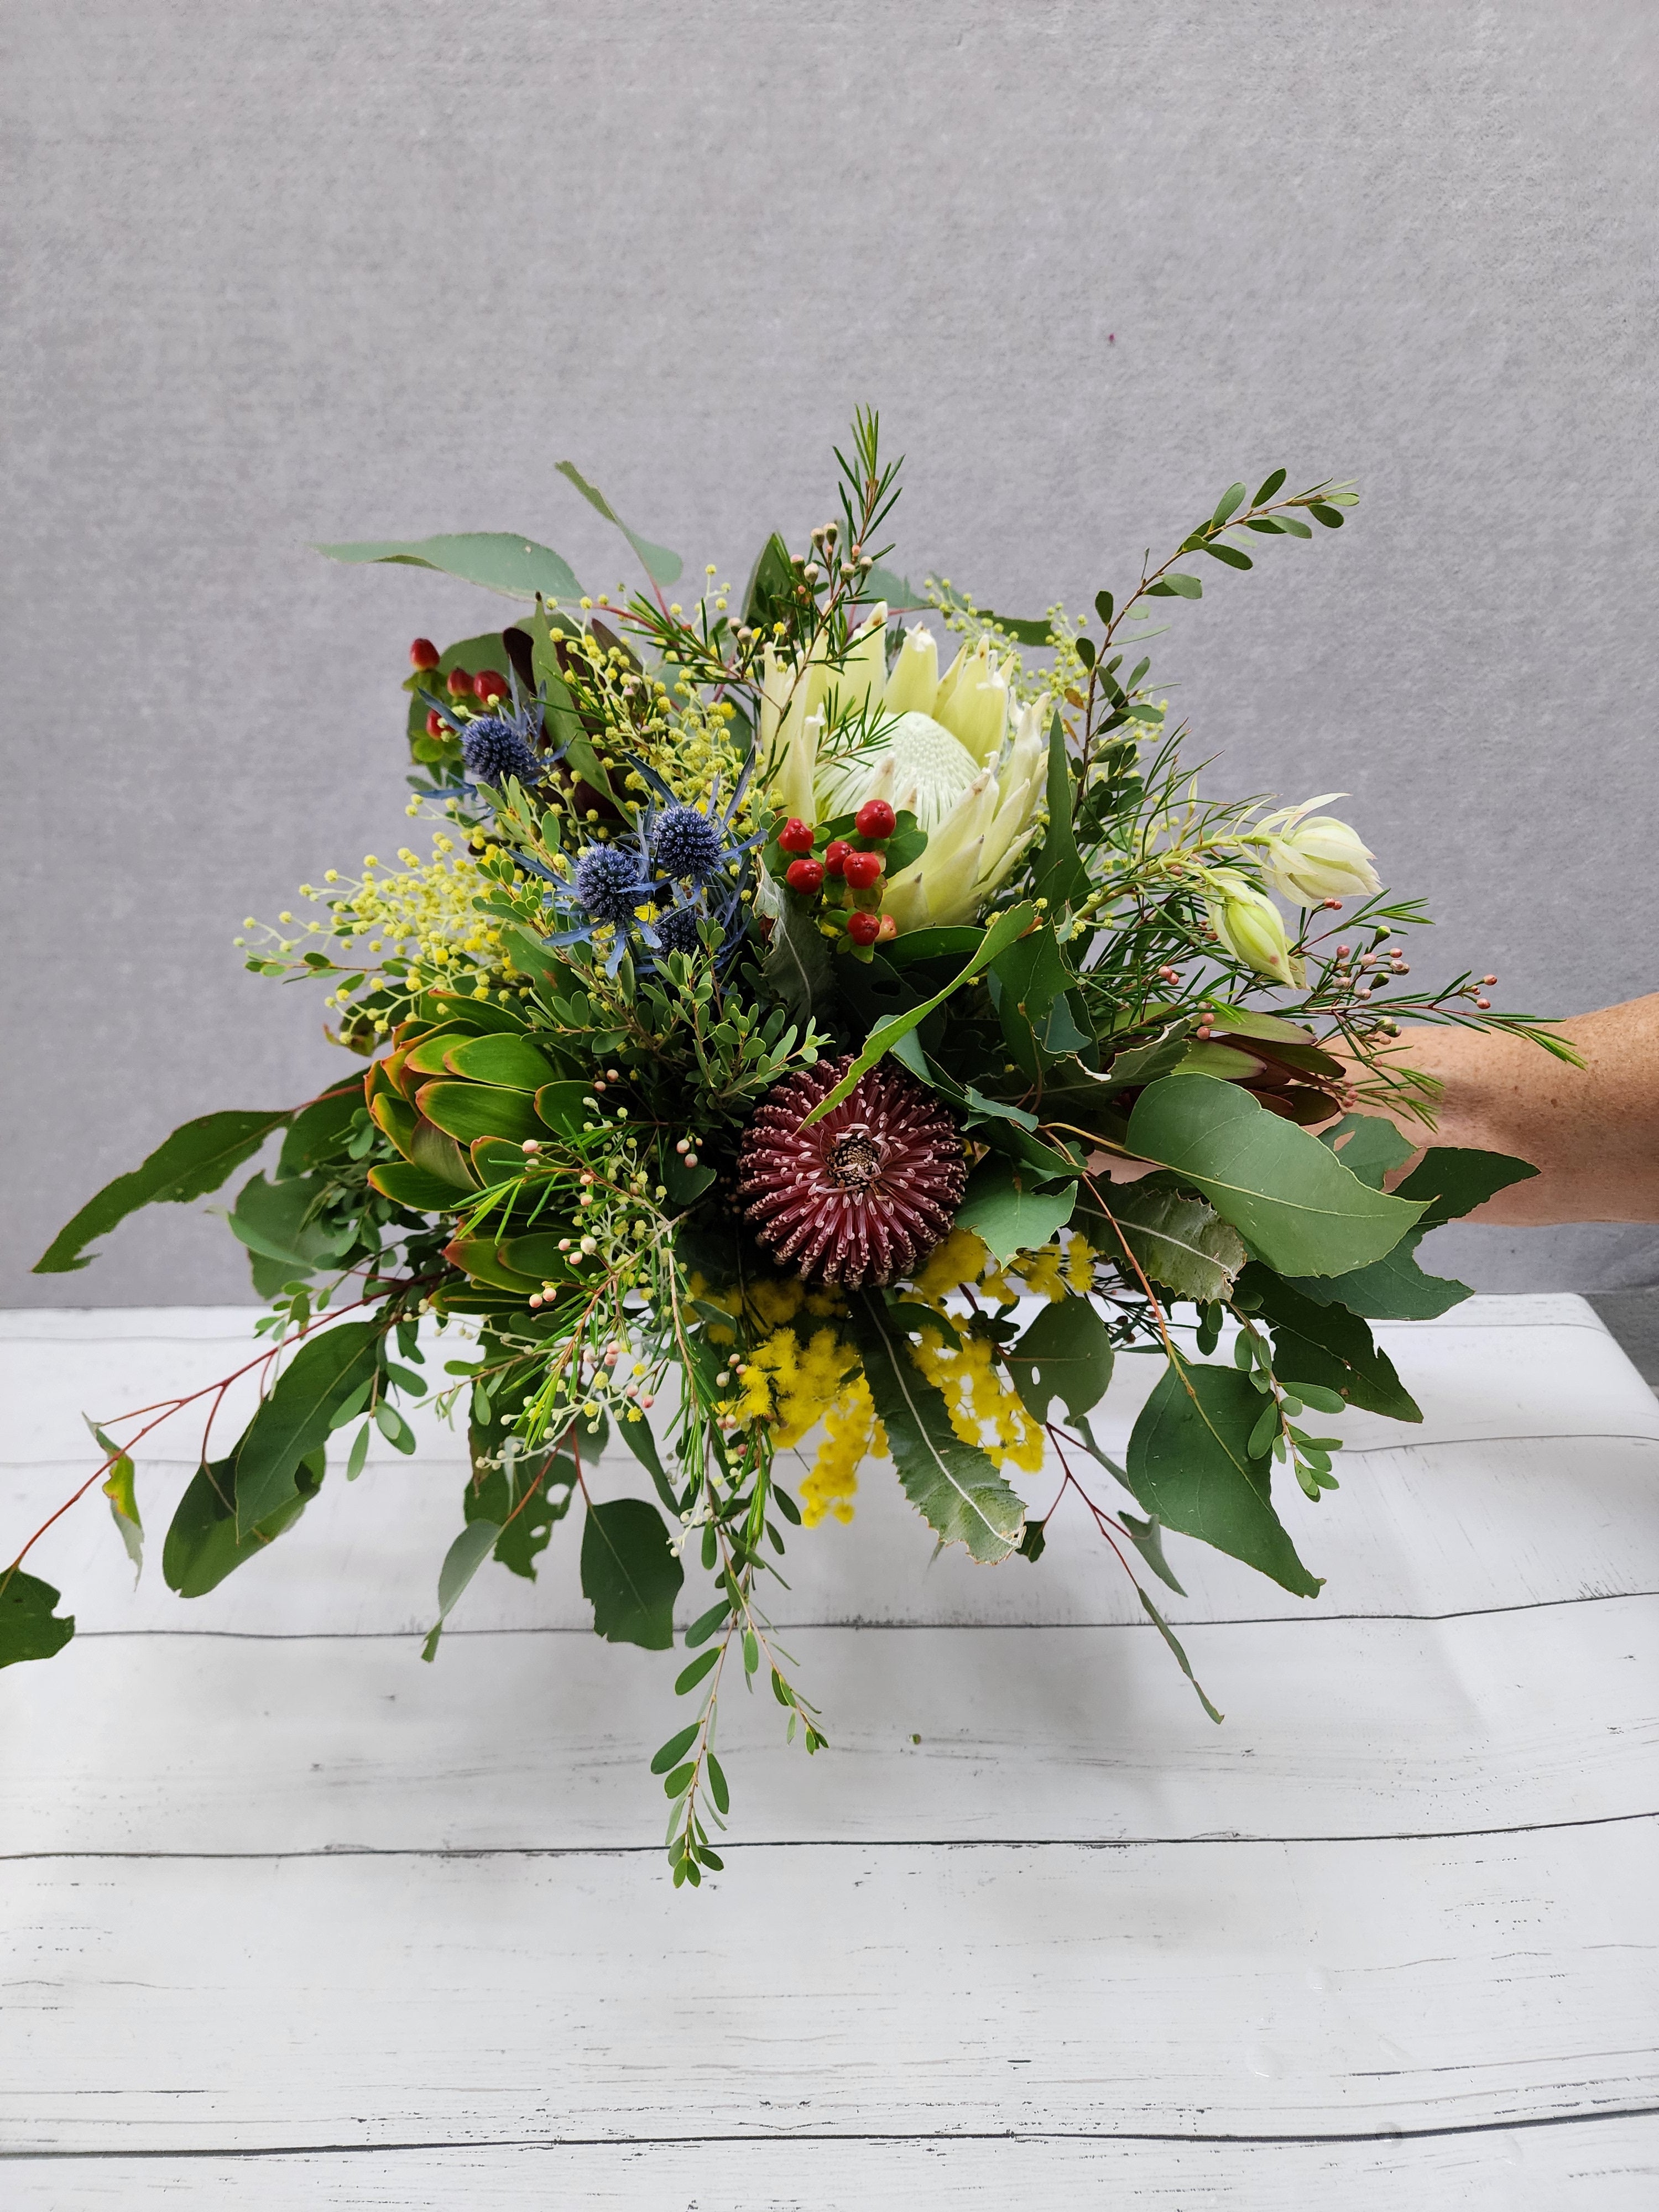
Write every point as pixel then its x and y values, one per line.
pixel 495 748
pixel 677 930
pixel 686 845
pixel 609 884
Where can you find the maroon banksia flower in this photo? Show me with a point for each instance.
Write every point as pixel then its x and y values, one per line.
pixel 863 1195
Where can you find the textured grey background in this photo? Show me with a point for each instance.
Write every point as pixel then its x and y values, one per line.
pixel 277 271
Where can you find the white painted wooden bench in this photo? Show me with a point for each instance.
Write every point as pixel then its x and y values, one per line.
pixel 293 1920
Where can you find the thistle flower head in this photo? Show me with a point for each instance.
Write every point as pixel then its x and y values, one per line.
pixel 496 748
pixel 685 844
pixel 608 883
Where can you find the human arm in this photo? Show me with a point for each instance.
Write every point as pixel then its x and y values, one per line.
pixel 1592 1132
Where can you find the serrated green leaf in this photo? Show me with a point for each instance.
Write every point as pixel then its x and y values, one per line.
pixel 1327 1344
pixel 1066 1354
pixel 1189 1463
pixel 1292 1200
pixel 1393 1288
pixel 194 1160
pixel 954 1486
pixel 1180 1241
pixel 1368 1147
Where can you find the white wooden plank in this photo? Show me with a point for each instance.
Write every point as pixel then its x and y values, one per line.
pixel 1345 1728
pixel 1532 1480
pixel 1611 2166
pixel 1201 1991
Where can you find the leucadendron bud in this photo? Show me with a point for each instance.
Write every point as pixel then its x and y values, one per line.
pixel 1250 925
pixel 1308 857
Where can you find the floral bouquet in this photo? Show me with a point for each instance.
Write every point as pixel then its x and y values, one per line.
pixel 797 1051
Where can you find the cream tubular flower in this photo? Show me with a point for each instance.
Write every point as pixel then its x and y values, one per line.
pixel 1309 857
pixel 1249 924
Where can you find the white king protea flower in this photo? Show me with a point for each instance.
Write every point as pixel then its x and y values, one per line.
pixel 943 751
pixel 1308 857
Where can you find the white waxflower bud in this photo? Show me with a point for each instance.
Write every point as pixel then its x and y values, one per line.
pixel 1309 856
pixel 1250 925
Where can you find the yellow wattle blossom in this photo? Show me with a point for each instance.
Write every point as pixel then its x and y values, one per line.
pixel 976 1396
pixel 850 1431
pixel 793 1385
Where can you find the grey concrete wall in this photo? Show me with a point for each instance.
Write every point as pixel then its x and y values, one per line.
pixel 278 271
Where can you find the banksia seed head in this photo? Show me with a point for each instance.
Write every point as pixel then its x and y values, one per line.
pixel 862 1196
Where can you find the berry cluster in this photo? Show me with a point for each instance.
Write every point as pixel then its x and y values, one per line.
pixel 857 865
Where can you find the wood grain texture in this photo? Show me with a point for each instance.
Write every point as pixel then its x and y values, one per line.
pixel 1610 2165
pixel 308 1921
pixel 1197 1991
pixel 1342 1727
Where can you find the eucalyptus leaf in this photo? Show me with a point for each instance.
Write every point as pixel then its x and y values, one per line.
pixel 658 563
pixel 1328 1345
pixel 630 1575
pixel 1188 1463
pixel 29 1627
pixel 295 1419
pixel 1292 1200
pixel 955 1486
pixel 500 560
pixel 201 1546
pixel 1170 1639
pixel 1148 1537
pixel 1066 1354
pixel 1004 1206
pixel 194 1160
pixel 461 1562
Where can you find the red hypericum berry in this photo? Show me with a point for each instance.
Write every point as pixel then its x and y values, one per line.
pixel 864 928
pixel 875 818
pixel 423 654
pixel 489 684
pixel 889 928
pixel 806 877
pixel 459 681
pixel 795 837
pixel 435 724
pixel 861 870
pixel 834 854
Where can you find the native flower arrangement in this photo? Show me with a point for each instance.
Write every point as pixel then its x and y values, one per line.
pixel 796 1053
